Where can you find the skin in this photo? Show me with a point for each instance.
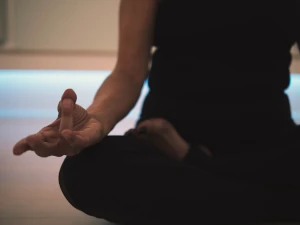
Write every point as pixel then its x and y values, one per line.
pixel 77 128
pixel 163 135
pixel 68 134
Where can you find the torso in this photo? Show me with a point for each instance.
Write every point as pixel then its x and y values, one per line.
pixel 222 63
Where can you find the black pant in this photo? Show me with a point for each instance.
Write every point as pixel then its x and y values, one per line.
pixel 127 181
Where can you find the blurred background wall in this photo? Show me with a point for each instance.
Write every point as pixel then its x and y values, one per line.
pixel 2 20
pixel 63 34
pixel 65 25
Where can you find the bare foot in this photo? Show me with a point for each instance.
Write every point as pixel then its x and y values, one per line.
pixel 164 136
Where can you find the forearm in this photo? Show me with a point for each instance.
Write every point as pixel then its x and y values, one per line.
pixel 115 98
pixel 121 90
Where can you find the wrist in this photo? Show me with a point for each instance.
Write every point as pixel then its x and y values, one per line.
pixel 106 127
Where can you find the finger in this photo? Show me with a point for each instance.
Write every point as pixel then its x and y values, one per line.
pixel 66 114
pixel 69 93
pixel 37 144
pixel 21 147
pixel 72 144
pixel 42 145
pixel 66 107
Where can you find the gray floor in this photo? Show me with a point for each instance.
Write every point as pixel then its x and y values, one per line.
pixel 29 191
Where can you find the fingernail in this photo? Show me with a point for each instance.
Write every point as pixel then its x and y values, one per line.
pixel 142 130
pixel 67 103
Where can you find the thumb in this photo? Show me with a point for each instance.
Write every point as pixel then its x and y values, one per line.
pixel 66 108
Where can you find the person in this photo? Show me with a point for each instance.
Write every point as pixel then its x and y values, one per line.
pixel 215 142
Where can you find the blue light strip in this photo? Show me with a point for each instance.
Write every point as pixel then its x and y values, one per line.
pixel 22 91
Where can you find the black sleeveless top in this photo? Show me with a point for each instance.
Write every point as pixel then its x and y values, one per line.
pixel 220 64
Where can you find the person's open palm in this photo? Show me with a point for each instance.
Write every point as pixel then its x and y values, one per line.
pixel 71 132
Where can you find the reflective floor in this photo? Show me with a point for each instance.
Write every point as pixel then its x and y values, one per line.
pixel 29 191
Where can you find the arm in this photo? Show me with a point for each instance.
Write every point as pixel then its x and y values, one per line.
pixel 121 90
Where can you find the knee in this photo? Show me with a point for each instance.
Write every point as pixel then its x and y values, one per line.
pixel 107 181
pixel 86 184
pixel 75 183
pixel 68 181
pixel 77 173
